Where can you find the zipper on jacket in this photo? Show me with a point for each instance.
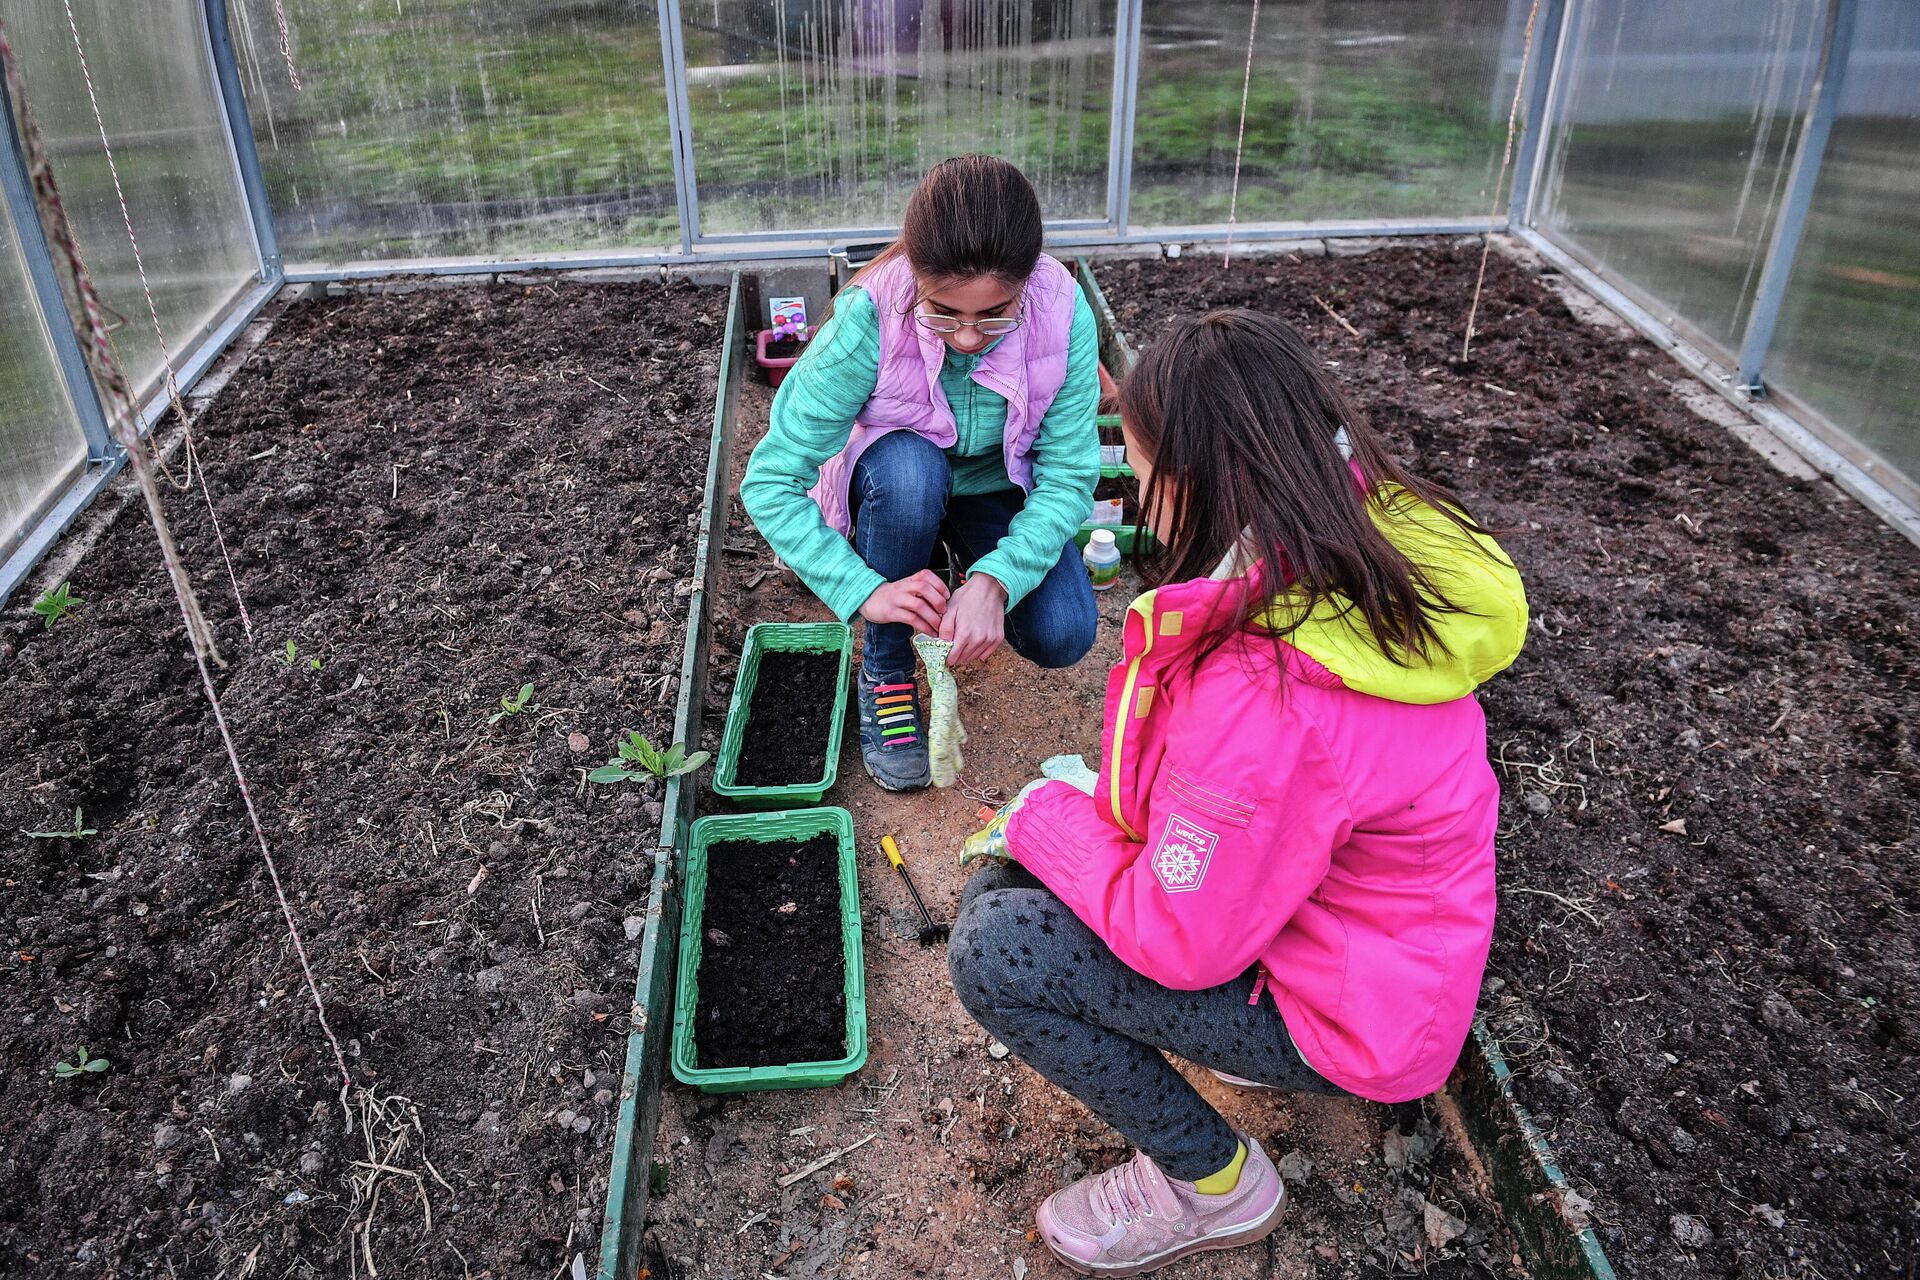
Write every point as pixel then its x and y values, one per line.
pixel 1124 713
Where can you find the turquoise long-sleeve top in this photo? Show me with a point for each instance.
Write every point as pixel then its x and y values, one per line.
pixel 813 416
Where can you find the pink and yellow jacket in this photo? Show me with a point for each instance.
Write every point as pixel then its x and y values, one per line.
pixel 1325 813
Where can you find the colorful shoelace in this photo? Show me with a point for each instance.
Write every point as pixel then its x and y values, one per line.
pixel 893 711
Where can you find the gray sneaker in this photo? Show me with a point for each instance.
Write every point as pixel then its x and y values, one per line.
pixel 893 734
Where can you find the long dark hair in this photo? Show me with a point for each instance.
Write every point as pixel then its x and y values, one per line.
pixel 1243 423
pixel 970 216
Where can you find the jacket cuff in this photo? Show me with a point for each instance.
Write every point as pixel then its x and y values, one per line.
pixel 847 600
pixel 1040 835
pixel 999 567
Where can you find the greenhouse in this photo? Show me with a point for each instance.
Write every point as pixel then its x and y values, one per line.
pixel 871 638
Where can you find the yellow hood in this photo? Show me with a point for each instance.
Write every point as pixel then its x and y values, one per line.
pixel 1475 574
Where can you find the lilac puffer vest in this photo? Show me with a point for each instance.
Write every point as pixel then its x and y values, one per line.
pixel 1026 368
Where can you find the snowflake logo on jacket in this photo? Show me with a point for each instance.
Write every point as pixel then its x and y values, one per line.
pixel 1180 861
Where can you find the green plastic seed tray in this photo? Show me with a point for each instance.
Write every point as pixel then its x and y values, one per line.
pixel 1125 536
pixel 768 828
pixel 783 637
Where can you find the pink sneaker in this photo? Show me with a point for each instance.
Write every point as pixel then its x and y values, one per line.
pixel 1133 1219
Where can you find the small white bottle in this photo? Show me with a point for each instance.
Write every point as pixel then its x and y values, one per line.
pixel 1102 558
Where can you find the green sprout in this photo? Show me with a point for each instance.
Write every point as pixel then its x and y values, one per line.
pixel 638 758
pixel 56 604
pixel 81 1065
pixel 80 830
pixel 291 654
pixel 513 704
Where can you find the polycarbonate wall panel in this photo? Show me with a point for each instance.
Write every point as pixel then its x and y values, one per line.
pixel 41 446
pixel 162 111
pixel 1848 342
pixel 825 113
pixel 431 128
pixel 1357 109
pixel 1674 131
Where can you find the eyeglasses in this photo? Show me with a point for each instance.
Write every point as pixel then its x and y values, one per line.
pixel 992 327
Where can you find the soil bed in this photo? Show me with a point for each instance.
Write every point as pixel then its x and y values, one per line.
pixel 788 722
pixel 1705 960
pixel 772 972
pixel 437 496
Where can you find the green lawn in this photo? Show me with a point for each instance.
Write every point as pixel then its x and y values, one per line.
pixel 485 123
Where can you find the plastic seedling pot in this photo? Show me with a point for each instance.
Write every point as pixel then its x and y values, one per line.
pixel 1125 536
pixel 784 637
pixel 775 366
pixel 768 828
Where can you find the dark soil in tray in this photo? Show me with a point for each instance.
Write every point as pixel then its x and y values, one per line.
pixel 772 972
pixel 789 719
pixel 1705 961
pixel 437 496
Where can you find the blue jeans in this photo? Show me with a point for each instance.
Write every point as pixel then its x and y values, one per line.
pixel 902 507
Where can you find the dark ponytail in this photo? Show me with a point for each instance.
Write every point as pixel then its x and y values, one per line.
pixel 970 216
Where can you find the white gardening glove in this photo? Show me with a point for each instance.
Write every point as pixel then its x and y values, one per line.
pixel 1071 770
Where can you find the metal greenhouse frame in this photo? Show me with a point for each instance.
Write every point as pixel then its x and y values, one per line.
pixel 1739 374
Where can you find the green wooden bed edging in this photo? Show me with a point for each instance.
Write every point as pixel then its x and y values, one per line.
pixel 651 1025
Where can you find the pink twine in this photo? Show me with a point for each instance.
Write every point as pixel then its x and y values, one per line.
pixel 286 43
pixel 153 311
pixel 123 422
pixel 1240 141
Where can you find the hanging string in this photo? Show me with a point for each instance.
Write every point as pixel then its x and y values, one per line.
pixel 123 421
pixel 1506 158
pixel 286 44
pixel 1240 140
pixel 153 312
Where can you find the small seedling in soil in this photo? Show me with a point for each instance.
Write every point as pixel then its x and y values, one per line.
pixel 291 654
pixel 514 703
pixel 56 604
pixel 80 1066
pixel 640 758
pixel 80 831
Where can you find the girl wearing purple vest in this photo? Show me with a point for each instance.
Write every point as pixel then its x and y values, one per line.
pixel 950 396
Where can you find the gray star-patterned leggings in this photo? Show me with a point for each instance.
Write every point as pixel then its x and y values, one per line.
pixel 1031 973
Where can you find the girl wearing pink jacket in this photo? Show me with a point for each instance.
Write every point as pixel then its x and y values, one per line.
pixel 1284 870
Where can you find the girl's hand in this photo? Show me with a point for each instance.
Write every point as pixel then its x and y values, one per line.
pixel 918 601
pixel 976 620
pixel 991 840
